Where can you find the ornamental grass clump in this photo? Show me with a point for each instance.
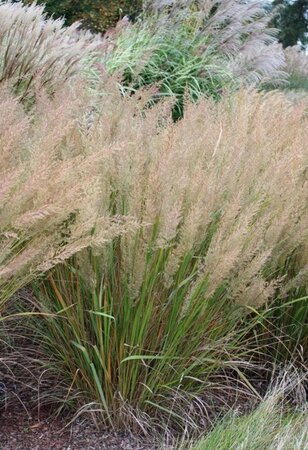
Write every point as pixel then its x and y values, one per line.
pixel 138 324
pixel 174 61
pixel 36 50
pixel 204 48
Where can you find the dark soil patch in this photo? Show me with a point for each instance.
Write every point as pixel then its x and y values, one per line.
pixel 23 427
pixel 19 431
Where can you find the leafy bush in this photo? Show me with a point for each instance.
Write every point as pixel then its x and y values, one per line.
pixel 219 199
pixel 290 17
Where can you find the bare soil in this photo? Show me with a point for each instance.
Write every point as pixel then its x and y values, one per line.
pixel 20 430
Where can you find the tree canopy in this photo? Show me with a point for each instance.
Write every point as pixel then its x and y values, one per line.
pixel 291 19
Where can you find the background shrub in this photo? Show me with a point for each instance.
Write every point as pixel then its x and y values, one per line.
pixel 96 15
pixel 290 17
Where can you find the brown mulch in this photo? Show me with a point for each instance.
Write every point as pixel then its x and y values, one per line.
pixel 22 428
pixel 21 431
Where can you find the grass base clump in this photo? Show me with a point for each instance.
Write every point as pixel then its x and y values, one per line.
pixel 151 354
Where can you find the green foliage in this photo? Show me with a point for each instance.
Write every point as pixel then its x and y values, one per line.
pixel 268 427
pixel 149 354
pixel 175 62
pixel 298 82
pixel 97 15
pixel 193 49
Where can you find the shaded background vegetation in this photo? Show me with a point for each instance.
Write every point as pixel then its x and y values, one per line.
pixel 292 21
pixel 97 15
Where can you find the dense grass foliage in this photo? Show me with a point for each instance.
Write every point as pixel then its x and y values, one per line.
pixel 194 48
pixel 137 360
pixel 175 62
pixel 45 215
pixel 269 426
pixel 297 68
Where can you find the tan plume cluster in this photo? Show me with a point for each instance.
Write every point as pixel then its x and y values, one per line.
pixel 227 183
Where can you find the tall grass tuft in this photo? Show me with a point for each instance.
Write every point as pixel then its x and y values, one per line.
pixel 139 323
pixel 50 187
pixel 175 61
pixel 34 49
pixel 194 48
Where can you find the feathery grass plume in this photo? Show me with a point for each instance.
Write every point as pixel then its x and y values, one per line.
pixel 140 323
pixel 50 187
pixel 34 48
pixel 205 47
